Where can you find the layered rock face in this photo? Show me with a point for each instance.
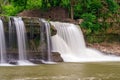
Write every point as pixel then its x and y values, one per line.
pixel 36 43
pixel 56 13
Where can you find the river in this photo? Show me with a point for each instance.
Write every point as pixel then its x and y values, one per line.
pixel 63 71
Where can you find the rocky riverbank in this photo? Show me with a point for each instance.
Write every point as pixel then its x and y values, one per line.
pixel 107 48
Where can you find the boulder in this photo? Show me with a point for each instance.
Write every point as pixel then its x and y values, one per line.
pixel 56 57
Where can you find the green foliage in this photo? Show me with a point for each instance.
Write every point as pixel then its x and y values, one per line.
pixel 78 11
pixel 95 6
pixel 46 4
pixel 17 6
pixel 89 17
pixel 93 10
pixel 95 38
pixel 22 3
pixel 54 3
pixel 34 4
pixel 102 37
pixel 112 5
pixel 65 3
pixel 27 4
pixel 87 6
pixel 90 23
pixel 10 10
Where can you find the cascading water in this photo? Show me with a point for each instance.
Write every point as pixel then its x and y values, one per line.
pixel 20 30
pixel 48 34
pixel 2 44
pixel 47 28
pixel 69 42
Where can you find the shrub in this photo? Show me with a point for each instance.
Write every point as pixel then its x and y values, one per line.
pixel 90 23
pixel 10 10
pixel 34 4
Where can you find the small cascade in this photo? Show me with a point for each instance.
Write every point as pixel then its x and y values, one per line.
pixel 3 59
pixel 47 27
pixel 69 42
pixel 48 34
pixel 21 38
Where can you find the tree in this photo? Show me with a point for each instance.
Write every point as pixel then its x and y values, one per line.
pixel 2 3
pixel 72 3
pixel 0 8
pixel 22 3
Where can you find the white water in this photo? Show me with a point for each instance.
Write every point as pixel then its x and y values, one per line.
pixel 48 34
pixel 3 56
pixel 47 26
pixel 69 42
pixel 2 44
pixel 20 30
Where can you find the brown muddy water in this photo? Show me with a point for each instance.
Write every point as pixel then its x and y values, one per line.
pixel 63 71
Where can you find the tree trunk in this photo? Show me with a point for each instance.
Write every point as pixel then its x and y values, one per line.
pixel 72 12
pixel 72 3
pixel 0 8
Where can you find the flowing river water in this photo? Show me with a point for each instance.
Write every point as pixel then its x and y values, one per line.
pixel 63 71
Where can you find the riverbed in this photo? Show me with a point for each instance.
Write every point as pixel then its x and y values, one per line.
pixel 63 71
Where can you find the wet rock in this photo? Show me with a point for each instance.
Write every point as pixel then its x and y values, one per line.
pixel 56 57
pixel 14 62
pixel 53 30
pixel 36 61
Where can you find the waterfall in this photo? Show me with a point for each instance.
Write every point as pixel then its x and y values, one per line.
pixel 47 27
pixel 69 42
pixel 48 34
pixel 21 38
pixel 20 30
pixel 2 44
